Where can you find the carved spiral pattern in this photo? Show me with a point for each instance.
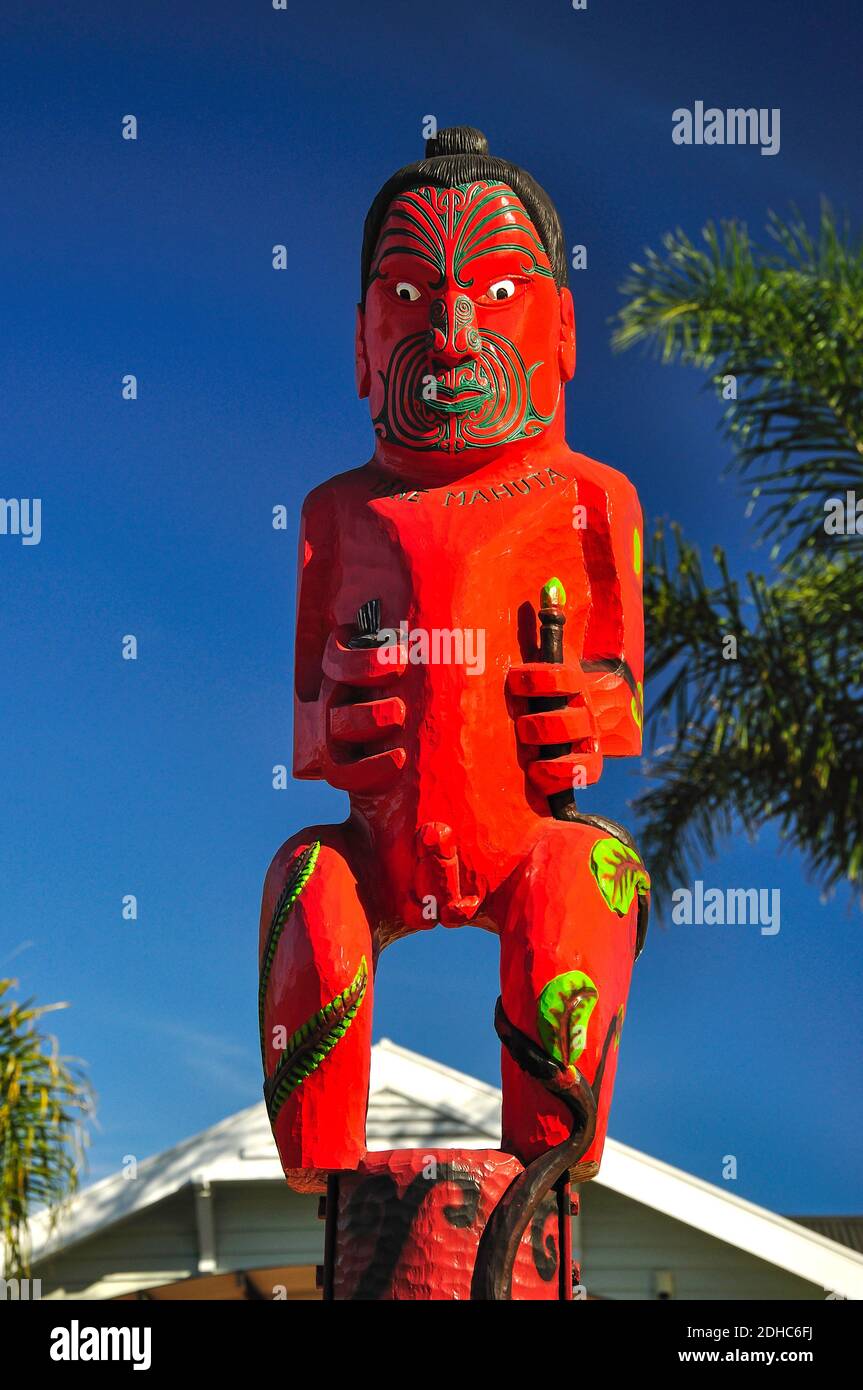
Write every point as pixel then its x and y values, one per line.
pixel 405 416
pixel 504 412
pixel 498 377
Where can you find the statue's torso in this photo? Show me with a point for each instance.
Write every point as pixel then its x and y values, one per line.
pixel 462 566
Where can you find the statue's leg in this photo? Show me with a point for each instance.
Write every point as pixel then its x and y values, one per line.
pixel 567 947
pixel 315 1005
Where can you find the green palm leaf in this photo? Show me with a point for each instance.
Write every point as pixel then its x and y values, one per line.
pixel 44 1103
pixel 775 733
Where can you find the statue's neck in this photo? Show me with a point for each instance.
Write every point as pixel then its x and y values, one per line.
pixel 434 469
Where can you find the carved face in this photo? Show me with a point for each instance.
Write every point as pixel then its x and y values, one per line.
pixel 465 339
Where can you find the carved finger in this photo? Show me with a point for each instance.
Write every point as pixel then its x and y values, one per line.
pixel 370 774
pixel 559 774
pixel 542 678
pixel 555 726
pixel 362 666
pixel 365 722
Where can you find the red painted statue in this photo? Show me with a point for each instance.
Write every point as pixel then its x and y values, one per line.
pixel 437 684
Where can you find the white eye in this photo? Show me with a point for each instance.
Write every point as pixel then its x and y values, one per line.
pixel 502 289
pixel 405 290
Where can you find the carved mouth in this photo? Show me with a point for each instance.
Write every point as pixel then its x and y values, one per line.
pixel 458 400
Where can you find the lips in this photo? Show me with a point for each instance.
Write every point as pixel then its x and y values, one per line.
pixel 458 400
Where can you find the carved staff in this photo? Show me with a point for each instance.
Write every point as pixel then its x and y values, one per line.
pixel 552 618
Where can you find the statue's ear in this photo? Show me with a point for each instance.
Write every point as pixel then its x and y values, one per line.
pixel 566 347
pixel 361 361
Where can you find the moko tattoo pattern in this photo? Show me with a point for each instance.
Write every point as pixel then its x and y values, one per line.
pixel 488 402
pixel 450 228
pixel 484 401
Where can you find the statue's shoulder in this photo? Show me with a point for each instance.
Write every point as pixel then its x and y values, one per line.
pixel 601 475
pixel 341 491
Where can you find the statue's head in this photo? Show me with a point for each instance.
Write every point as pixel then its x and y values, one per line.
pixel 465 329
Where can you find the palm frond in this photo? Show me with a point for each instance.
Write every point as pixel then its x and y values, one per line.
pixel 787 325
pixel 774 731
pixel 45 1101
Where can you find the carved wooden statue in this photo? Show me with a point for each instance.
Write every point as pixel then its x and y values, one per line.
pixel 469 649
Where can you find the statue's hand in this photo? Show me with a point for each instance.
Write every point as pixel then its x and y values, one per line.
pixel 364 743
pixel 574 723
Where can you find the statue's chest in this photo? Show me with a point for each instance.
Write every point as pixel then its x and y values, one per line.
pixel 478 517
pixel 471 552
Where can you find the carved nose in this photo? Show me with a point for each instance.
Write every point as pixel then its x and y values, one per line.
pixel 452 329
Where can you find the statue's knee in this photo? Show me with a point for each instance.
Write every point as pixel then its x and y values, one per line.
pixel 313 869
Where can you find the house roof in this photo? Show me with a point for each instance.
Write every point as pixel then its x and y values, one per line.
pixel 414 1101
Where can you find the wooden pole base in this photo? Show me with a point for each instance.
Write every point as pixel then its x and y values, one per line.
pixel 407 1224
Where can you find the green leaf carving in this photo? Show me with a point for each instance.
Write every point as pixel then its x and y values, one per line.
pixel 563 1013
pixel 619 873
pixel 299 873
pixel 314 1041
pixel 636 706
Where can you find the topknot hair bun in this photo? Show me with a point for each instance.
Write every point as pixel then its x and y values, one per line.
pixel 455 158
pixel 457 139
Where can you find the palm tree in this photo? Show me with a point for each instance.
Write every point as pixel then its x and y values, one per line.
pixel 771 728
pixel 44 1101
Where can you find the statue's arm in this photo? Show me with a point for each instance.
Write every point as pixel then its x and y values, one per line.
pixel 316 563
pixel 613 656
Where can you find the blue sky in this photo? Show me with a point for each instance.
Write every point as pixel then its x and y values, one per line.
pixel 154 257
